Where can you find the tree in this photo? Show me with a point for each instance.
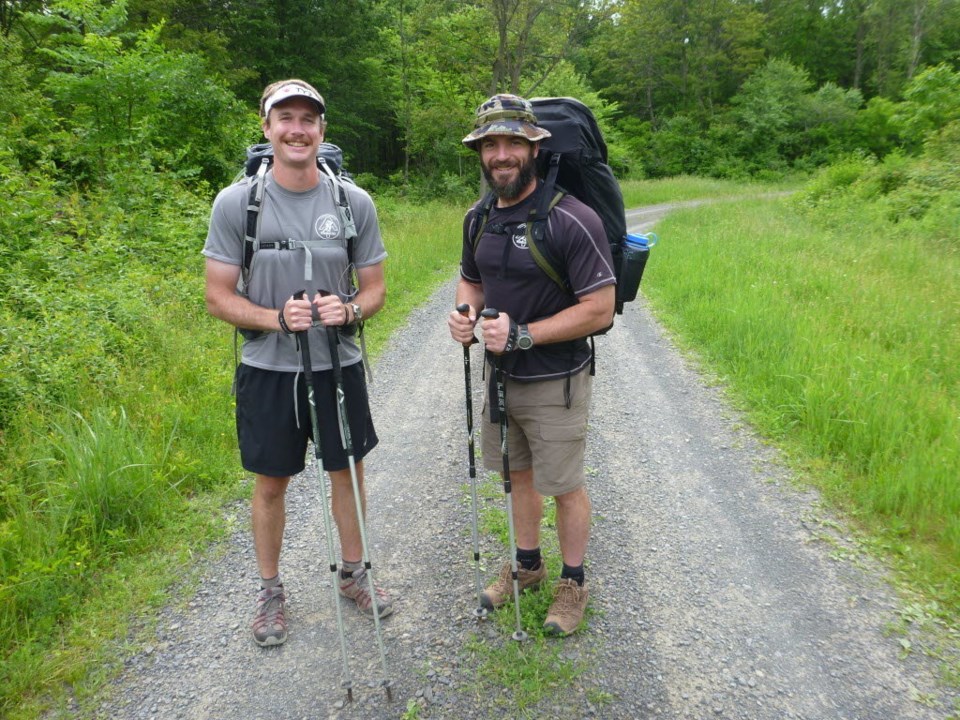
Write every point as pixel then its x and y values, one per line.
pixel 931 101
pixel 770 113
pixel 670 56
pixel 124 104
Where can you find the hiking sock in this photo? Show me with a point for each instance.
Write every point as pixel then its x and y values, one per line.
pixel 573 573
pixel 529 559
pixel 347 568
pixel 267 583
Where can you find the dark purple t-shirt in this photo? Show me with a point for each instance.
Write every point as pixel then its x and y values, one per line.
pixel 513 282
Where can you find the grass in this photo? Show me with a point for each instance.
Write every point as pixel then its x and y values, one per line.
pixel 655 192
pixel 840 336
pixel 517 676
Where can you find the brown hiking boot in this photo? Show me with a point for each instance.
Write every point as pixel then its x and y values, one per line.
pixel 502 589
pixel 566 611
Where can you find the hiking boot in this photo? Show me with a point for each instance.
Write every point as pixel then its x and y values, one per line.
pixel 357 588
pixel 269 623
pixel 502 589
pixel 566 610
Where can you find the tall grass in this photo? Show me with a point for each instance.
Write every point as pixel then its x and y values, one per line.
pixel 840 333
pixel 687 187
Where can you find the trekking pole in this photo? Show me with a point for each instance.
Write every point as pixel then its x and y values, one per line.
pixel 519 635
pixel 304 342
pixel 333 339
pixel 481 612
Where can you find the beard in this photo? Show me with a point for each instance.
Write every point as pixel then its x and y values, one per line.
pixel 511 189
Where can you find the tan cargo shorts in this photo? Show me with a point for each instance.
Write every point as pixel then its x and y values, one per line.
pixel 542 432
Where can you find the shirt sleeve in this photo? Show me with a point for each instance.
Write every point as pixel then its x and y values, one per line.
pixel 586 250
pixel 468 262
pixel 369 249
pixel 225 232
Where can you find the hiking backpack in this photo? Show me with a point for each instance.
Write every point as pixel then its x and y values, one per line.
pixel 573 160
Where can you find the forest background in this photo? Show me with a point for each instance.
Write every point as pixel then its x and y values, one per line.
pixel 119 121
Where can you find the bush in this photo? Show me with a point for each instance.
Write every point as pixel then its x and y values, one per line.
pixel 834 180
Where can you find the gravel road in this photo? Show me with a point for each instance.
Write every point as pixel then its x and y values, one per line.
pixel 719 589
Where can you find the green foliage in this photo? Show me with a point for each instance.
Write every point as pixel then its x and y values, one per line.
pixel 931 101
pixel 677 148
pixel 876 129
pixel 127 104
pixel 26 117
pixel 770 112
pixel 919 192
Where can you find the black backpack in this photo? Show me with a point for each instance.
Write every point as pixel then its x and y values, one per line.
pixel 573 160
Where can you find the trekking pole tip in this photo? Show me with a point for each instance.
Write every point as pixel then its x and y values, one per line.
pixel 480 613
pixel 519 636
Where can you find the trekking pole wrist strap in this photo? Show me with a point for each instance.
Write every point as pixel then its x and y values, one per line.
pixel 283 323
pixel 512 335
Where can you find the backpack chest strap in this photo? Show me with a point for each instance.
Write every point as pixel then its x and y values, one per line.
pixel 291 244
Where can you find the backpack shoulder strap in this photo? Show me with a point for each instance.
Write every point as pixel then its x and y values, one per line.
pixel 537 241
pixel 252 226
pixel 480 216
pixel 349 236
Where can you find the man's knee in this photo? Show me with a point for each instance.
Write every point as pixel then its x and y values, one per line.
pixel 271 488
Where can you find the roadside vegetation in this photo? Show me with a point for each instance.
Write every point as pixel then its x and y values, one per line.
pixel 832 316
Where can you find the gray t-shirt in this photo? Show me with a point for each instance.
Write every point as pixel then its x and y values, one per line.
pixel 276 274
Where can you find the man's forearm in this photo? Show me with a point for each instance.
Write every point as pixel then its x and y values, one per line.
pixel 592 313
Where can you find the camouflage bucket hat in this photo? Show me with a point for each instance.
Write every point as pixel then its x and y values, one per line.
pixel 505 115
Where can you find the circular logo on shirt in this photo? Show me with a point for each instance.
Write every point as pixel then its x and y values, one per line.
pixel 327 227
pixel 520 237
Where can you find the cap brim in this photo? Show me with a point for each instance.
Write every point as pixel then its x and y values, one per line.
pixel 293 91
pixel 516 128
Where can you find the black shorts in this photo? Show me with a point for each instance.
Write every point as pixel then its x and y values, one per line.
pixel 271 443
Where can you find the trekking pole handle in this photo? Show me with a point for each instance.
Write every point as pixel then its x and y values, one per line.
pixel 464 309
pixel 298 295
pixel 492 314
pixel 331 330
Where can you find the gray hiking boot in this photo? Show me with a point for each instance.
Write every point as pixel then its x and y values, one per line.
pixel 502 589
pixel 357 588
pixel 269 622
pixel 566 611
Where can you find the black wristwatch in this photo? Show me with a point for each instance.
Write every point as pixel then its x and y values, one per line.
pixel 524 339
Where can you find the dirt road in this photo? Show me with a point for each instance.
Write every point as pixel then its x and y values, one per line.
pixel 720 591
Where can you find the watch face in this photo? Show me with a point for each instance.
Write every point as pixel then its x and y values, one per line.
pixel 525 342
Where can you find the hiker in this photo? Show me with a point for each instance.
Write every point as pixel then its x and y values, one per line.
pixel 539 340
pixel 301 227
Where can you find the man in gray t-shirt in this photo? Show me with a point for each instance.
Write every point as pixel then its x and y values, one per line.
pixel 302 247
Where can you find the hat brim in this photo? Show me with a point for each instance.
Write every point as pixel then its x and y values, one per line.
pixel 293 91
pixel 516 128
